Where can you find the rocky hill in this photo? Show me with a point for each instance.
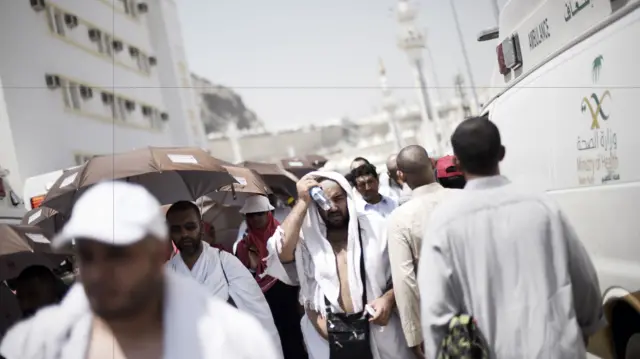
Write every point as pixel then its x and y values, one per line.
pixel 220 106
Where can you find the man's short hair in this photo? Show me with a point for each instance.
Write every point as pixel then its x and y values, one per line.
pixel 413 159
pixel 477 145
pixel 36 271
pixel 366 169
pixel 182 206
pixel 361 159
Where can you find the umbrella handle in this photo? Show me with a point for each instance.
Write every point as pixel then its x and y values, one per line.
pixel 233 192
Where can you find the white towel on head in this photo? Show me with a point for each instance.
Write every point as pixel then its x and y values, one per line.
pixel 316 273
pixel 316 259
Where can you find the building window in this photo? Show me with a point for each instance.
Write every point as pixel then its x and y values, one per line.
pixel 105 45
pixel 55 19
pixel 91 38
pixel 102 104
pixel 71 94
pixel 143 63
pixel 130 8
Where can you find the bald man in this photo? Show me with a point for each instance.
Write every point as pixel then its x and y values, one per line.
pixel 391 186
pixel 405 227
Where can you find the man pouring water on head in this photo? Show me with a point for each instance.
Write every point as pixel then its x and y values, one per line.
pixel 125 304
pixel 339 259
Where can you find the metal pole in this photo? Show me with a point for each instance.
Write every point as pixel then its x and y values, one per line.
pixel 428 117
pixel 466 57
pixel 496 11
pixel 398 145
pixel 436 82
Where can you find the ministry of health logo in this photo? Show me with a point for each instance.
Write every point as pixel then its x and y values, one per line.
pixel 595 70
pixel 594 102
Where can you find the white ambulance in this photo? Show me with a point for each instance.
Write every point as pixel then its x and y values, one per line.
pixel 36 187
pixel 11 209
pixel 567 103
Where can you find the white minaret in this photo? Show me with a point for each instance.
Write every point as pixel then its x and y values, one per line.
pixel 233 135
pixel 411 40
pixel 389 105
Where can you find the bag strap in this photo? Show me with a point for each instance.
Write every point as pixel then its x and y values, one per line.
pixel 222 266
pixel 363 274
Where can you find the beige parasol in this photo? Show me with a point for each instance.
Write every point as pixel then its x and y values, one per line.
pixel 276 177
pixel 170 174
pixel 299 166
pixel 249 183
pixel 50 220
pixel 24 246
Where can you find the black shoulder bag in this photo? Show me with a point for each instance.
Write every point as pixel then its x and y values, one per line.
pixel 349 335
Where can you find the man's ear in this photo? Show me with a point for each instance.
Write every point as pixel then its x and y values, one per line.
pixel 400 175
pixel 503 152
pixel 455 162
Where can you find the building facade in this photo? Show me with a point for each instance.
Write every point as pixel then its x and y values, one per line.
pixel 86 77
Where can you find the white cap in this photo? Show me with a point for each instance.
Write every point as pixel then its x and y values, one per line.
pixel 115 213
pixel 256 204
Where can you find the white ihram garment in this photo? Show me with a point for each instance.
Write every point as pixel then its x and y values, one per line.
pixel 197 326
pixel 316 273
pixel 210 270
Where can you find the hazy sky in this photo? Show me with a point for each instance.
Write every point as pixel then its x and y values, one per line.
pixel 301 62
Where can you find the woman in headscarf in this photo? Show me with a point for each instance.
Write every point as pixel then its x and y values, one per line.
pixel 282 298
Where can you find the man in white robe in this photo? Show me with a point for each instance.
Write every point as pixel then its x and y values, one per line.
pixel 329 267
pixel 125 304
pixel 220 272
pixel 508 258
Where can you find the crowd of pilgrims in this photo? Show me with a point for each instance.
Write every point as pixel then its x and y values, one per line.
pixel 433 259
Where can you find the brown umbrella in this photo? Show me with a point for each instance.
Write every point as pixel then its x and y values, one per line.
pixel 170 174
pixel 226 221
pixel 299 166
pixel 22 238
pixel 275 177
pixel 249 183
pixel 317 160
pixel 24 246
pixel 50 220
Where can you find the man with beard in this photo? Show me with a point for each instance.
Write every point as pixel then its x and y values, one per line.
pixel 220 272
pixel 339 259
pixel 125 305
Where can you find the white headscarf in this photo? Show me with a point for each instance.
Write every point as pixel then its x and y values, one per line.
pixel 316 260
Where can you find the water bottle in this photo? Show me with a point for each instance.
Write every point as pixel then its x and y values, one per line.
pixel 317 194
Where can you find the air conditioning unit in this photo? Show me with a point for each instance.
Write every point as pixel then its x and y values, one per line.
pixel 133 51
pixel 53 81
pixel 94 34
pixel 118 45
pixel 70 20
pixel 38 5
pixel 143 8
pixel 107 98
pixel 129 105
pixel 164 116
pixel 86 92
pixel 146 110
pixel 153 61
